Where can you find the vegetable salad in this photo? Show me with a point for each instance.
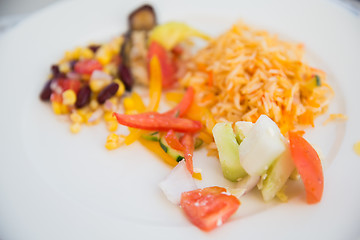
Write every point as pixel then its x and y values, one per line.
pixel 99 81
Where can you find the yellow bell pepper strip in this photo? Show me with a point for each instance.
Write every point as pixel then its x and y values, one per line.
pixel 202 114
pixel 206 137
pixel 155 84
pixel 138 103
pixel 197 175
pixel 173 97
pixel 155 95
pixel 172 33
pixel 154 147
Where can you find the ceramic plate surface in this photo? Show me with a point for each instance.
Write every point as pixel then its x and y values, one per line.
pixel 56 185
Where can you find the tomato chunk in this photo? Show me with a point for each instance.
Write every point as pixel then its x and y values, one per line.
pixel 87 66
pixel 67 84
pixel 309 166
pixel 168 68
pixel 158 122
pixel 209 207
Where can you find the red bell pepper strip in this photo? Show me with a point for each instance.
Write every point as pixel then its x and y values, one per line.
pixel 188 142
pixel 309 166
pixel 181 109
pixel 168 66
pixel 157 122
pixel 173 141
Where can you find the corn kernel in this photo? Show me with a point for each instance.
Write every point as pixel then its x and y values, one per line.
pixel 115 44
pixel 113 100
pixel 110 69
pixel 86 53
pixel 83 111
pixel 94 104
pixel 97 85
pixel 75 127
pixel 68 56
pixel 129 104
pixel 112 141
pixel 112 125
pixel 56 106
pixel 64 109
pixel 76 53
pixel 103 55
pixel 76 117
pixel 73 55
pixel 121 89
pixel 111 145
pixel 69 97
pixel 64 67
pixel 112 137
pixel 88 116
pixel 108 116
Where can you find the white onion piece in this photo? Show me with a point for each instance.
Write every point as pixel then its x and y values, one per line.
pixel 244 186
pixel 73 75
pixel 177 182
pixel 55 87
pixel 96 115
pixel 109 106
pixel 100 75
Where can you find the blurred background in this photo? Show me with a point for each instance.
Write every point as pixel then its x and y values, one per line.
pixel 13 11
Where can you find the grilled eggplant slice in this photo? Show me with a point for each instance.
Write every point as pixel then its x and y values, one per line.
pixel 134 49
pixel 142 18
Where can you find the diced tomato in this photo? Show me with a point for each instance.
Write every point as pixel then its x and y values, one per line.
pixel 168 66
pixel 181 109
pixel 67 84
pixel 309 167
pixel 87 66
pixel 173 141
pixel 56 97
pixel 209 207
pixel 158 122
pixel 188 142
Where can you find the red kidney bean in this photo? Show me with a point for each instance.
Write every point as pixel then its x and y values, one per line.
pixel 125 76
pixel 46 92
pixel 83 97
pixel 107 92
pixel 55 70
pixel 94 47
pixel 72 64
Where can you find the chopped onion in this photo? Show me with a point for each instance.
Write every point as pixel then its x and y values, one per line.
pixel 73 75
pixel 100 75
pixel 96 115
pixel 54 86
pixel 244 186
pixel 178 181
pixel 109 106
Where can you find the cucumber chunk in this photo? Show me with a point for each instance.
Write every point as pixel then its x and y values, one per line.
pixel 242 129
pixel 177 155
pixel 228 151
pixel 154 136
pixel 261 147
pixel 277 175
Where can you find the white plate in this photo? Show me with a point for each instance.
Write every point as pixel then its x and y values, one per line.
pixel 54 185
